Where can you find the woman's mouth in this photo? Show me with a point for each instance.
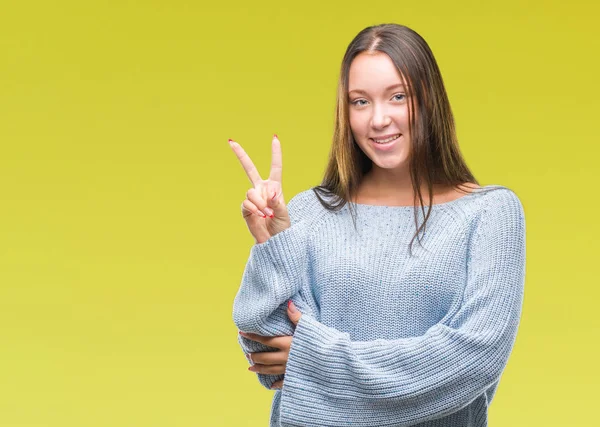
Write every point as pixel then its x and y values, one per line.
pixel 386 140
pixel 386 144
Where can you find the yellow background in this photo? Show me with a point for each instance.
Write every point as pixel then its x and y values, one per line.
pixel 121 240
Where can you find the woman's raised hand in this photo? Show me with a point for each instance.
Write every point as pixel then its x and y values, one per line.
pixel 264 209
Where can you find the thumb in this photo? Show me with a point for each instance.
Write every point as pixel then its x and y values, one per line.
pixel 293 313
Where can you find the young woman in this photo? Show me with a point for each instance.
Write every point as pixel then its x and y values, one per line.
pixel 383 331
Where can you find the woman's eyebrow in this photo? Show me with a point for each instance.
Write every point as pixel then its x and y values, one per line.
pixel 387 88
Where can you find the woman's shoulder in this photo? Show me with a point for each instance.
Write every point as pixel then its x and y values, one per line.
pixel 302 200
pixel 304 204
pixel 499 197
pixel 500 209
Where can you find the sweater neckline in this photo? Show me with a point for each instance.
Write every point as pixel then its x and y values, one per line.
pixel 436 205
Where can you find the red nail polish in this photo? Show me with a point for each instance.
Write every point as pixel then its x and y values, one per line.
pixel 275 135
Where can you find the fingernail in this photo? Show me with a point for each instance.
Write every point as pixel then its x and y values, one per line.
pixel 291 306
pixel 268 212
pixel 274 195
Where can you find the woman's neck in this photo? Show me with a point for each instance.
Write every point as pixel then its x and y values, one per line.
pixel 400 192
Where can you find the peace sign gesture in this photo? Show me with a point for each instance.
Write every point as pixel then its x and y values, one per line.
pixel 264 209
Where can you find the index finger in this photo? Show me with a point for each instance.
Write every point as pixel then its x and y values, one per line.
pixel 247 164
pixel 276 163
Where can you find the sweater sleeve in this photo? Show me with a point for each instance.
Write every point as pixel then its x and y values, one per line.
pixel 275 272
pixel 331 380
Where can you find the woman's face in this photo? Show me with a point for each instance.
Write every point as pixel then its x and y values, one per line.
pixel 378 110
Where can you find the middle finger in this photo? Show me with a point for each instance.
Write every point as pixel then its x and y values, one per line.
pixel 269 357
pixel 246 162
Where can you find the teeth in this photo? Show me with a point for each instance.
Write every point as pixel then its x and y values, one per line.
pixel 383 141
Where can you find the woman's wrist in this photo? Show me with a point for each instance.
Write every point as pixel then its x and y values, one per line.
pixel 259 241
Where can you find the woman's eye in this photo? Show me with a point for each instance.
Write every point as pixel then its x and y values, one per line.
pixel 358 101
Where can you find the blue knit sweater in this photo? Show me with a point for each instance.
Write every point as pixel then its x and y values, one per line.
pixel 386 339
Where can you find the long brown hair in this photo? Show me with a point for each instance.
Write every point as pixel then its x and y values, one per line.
pixel 435 156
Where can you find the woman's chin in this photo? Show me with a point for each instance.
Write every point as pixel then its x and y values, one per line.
pixel 391 164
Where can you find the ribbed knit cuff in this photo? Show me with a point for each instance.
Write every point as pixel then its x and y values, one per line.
pixel 301 385
pixel 310 336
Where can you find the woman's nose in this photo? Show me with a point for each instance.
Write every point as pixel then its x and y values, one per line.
pixel 380 118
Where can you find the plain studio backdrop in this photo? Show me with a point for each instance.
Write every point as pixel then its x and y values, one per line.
pixel 121 240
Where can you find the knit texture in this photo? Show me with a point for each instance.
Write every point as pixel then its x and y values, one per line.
pixel 387 339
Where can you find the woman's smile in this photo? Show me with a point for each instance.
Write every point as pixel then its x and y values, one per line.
pixel 387 144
